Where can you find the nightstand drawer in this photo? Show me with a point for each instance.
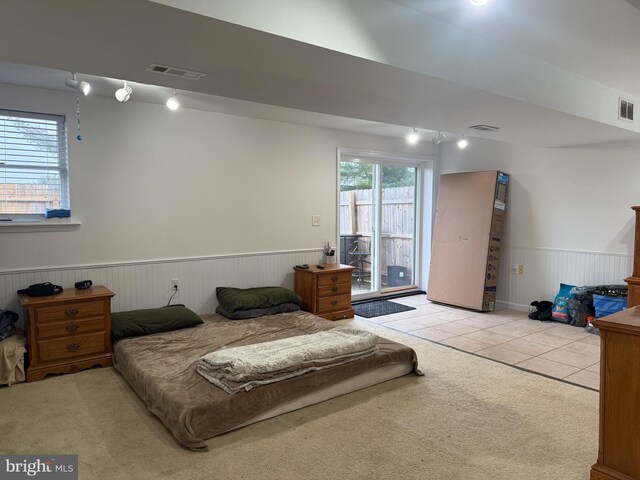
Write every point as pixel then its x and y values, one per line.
pixel 70 327
pixel 69 311
pixel 341 315
pixel 338 289
pixel 338 302
pixel 71 347
pixel 334 278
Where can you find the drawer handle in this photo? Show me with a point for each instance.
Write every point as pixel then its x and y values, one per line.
pixel 334 289
pixel 71 327
pixel 334 302
pixel 72 312
pixel 334 279
pixel 73 347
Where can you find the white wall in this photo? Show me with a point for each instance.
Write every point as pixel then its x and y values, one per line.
pixel 183 193
pixel 568 215
pixel 147 183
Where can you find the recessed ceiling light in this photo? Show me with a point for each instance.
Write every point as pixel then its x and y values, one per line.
pixel 478 3
pixel 463 143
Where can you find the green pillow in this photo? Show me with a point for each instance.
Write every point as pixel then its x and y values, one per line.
pixel 235 299
pixel 152 320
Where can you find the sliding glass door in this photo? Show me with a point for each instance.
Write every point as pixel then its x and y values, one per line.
pixel 378 222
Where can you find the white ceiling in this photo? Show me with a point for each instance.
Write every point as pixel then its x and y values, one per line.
pixel 265 74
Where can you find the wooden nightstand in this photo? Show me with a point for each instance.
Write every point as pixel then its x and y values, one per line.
pixel 68 332
pixel 326 293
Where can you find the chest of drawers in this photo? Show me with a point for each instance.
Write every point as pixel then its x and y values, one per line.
pixel 68 332
pixel 325 292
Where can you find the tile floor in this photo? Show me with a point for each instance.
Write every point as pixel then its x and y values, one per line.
pixel 508 336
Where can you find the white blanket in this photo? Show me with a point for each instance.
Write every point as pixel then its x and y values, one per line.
pixel 248 366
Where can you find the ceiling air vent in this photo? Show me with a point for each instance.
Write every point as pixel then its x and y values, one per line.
pixel 485 128
pixel 625 110
pixel 175 72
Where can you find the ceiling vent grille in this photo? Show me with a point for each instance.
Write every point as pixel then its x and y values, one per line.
pixel 625 110
pixel 485 128
pixel 175 72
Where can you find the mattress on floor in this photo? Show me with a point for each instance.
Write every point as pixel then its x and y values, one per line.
pixel 161 370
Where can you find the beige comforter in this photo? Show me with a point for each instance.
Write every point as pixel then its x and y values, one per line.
pixel 161 369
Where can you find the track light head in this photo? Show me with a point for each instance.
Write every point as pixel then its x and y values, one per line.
pixel 123 94
pixel 80 86
pixel 413 137
pixel 438 139
pixel 172 102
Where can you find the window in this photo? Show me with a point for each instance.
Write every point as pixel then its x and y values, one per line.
pixel 33 163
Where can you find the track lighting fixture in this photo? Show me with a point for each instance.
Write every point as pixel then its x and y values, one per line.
pixel 80 86
pixel 413 137
pixel 438 139
pixel 123 94
pixel 463 143
pixel 173 103
pixel 478 3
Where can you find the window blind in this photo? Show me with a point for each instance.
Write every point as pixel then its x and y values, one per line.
pixel 33 163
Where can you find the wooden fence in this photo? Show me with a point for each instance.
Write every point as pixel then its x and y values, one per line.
pixel 397 222
pixel 28 198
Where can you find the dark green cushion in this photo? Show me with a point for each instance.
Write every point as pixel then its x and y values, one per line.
pixel 152 320
pixel 234 299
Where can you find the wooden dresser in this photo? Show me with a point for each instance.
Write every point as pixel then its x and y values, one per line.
pixel 634 280
pixel 619 447
pixel 326 293
pixel 68 332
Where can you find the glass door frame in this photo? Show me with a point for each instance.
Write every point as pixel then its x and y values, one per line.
pixel 424 166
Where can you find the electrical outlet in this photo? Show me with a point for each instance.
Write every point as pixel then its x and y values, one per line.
pixel 520 269
pixel 315 220
pixel 175 283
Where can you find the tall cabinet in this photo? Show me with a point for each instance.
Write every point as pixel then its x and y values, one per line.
pixel 467 239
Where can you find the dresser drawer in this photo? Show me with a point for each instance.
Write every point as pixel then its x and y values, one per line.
pixel 71 327
pixel 329 279
pixel 338 289
pixel 71 347
pixel 69 311
pixel 337 302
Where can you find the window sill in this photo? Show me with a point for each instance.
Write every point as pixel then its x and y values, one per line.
pixel 44 225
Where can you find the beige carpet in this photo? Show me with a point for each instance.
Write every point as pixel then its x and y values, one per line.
pixel 467 418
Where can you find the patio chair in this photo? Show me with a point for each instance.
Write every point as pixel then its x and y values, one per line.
pixel 360 250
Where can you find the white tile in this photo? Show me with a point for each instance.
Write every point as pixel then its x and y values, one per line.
pixel 525 346
pixel 547 339
pixel 403 325
pixel 585 378
pixel 433 334
pixel 466 344
pixel 491 338
pixel 548 367
pixel 504 355
pixel 456 328
pixel 569 358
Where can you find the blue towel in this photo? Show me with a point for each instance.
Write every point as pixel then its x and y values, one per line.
pixel 58 213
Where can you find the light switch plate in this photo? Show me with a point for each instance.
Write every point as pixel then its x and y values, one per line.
pixel 315 220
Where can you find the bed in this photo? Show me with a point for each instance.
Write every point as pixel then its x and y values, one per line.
pixel 161 370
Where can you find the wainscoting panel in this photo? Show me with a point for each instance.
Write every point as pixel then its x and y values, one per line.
pixel 148 284
pixel 545 269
